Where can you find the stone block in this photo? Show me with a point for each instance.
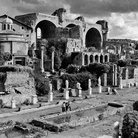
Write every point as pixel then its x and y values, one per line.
pixel 72 93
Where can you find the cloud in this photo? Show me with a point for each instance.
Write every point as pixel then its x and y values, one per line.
pixel 44 6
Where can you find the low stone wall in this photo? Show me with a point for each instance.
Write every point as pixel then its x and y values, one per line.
pixel 44 123
pixel 129 81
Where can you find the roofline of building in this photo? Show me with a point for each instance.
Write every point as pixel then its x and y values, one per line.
pixel 16 21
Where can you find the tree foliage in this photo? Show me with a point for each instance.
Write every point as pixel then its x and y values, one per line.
pixel 82 78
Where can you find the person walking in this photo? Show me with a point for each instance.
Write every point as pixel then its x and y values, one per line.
pixel 63 107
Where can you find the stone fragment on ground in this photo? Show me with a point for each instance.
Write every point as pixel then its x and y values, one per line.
pixel 105 136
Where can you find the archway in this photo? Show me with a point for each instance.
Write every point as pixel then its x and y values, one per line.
pixel 45 29
pixel 101 59
pixel 96 58
pixel 93 38
pixel 106 58
pixel 91 58
pixel 70 25
pixel 85 59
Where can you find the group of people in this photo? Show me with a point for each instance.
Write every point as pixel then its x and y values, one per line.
pixel 66 106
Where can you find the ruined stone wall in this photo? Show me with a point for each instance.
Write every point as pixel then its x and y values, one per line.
pixel 73 32
pixel 20 86
pixel 73 45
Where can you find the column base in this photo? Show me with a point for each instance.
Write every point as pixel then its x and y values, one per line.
pixel 99 89
pixel 90 91
pixel 66 95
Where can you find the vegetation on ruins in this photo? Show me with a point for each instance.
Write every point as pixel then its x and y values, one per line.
pixel 94 68
pixel 113 58
pixel 42 84
pixel 98 68
pixel 16 68
pixel 124 63
pixel 72 68
pixel 130 125
pixel 82 78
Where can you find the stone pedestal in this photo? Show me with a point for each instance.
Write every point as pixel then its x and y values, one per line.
pixel 108 89
pixel 105 79
pixel 128 85
pixel 90 91
pixel 79 89
pixel 99 89
pixel 50 97
pixel 34 99
pixel 13 104
pixel 42 58
pixel 52 66
pixel 66 94
pixel 67 84
pixel 120 83
pixel 99 85
pixel 80 93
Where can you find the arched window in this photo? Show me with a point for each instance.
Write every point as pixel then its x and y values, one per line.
pixel 8 27
pixel 4 26
pixel 39 35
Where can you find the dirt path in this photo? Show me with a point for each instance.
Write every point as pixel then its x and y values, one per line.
pixel 104 127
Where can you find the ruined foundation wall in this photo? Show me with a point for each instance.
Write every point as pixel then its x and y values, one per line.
pixel 20 86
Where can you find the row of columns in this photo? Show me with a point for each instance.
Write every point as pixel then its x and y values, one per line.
pixel 78 89
pixel 66 92
pixel 87 59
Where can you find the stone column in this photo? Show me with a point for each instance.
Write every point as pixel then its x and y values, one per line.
pixel 42 58
pixel 66 91
pixel 120 82
pixel 103 59
pixel 50 95
pixel 13 104
pixel 79 90
pixel 105 79
pixel 126 74
pixel 34 99
pixel 115 75
pixel 93 58
pixel 88 59
pixel 89 87
pixel 82 59
pixel 99 85
pixel 52 61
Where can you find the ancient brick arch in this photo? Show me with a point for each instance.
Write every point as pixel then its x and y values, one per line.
pixel 93 38
pixel 71 25
pixel 46 29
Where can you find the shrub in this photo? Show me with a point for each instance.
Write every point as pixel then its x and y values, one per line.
pixel 42 85
pixel 16 68
pixel 123 63
pixel 130 125
pixel 83 68
pixel 67 60
pixel 72 69
pixel 98 69
pixel 82 78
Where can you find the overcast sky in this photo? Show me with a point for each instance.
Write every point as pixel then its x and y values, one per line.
pixel 122 15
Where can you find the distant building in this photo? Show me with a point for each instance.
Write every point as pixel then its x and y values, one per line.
pixel 15 39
